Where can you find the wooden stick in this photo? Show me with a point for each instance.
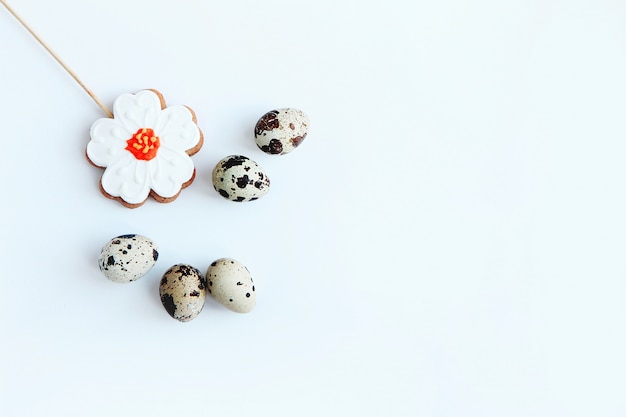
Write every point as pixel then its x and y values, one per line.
pixel 56 57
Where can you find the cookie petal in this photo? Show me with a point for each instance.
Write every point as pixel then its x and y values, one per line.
pixel 177 129
pixel 128 179
pixel 137 111
pixel 170 170
pixel 108 142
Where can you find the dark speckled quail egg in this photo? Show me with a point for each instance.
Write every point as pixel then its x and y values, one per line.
pixel 279 132
pixel 127 258
pixel 230 283
pixel 239 178
pixel 183 292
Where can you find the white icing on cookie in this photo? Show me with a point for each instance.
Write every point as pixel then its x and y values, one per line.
pixel 144 148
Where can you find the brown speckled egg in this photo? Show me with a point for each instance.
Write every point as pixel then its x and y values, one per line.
pixel 230 283
pixel 183 292
pixel 279 132
pixel 127 258
pixel 239 178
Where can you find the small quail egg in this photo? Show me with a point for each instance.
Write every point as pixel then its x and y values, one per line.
pixel 127 258
pixel 279 132
pixel 183 292
pixel 239 178
pixel 230 283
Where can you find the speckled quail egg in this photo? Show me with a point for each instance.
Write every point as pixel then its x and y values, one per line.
pixel 239 178
pixel 279 132
pixel 230 283
pixel 183 292
pixel 127 258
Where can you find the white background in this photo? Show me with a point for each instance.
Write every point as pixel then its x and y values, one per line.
pixel 448 241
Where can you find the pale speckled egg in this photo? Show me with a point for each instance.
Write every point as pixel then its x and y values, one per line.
pixel 127 258
pixel 183 292
pixel 239 178
pixel 279 132
pixel 230 283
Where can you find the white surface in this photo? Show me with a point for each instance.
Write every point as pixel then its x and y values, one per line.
pixel 448 241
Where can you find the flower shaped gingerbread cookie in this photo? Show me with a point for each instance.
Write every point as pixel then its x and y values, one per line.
pixel 145 149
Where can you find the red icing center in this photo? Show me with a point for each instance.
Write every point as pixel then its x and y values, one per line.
pixel 144 144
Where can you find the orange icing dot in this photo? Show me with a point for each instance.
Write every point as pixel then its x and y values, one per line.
pixel 144 144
